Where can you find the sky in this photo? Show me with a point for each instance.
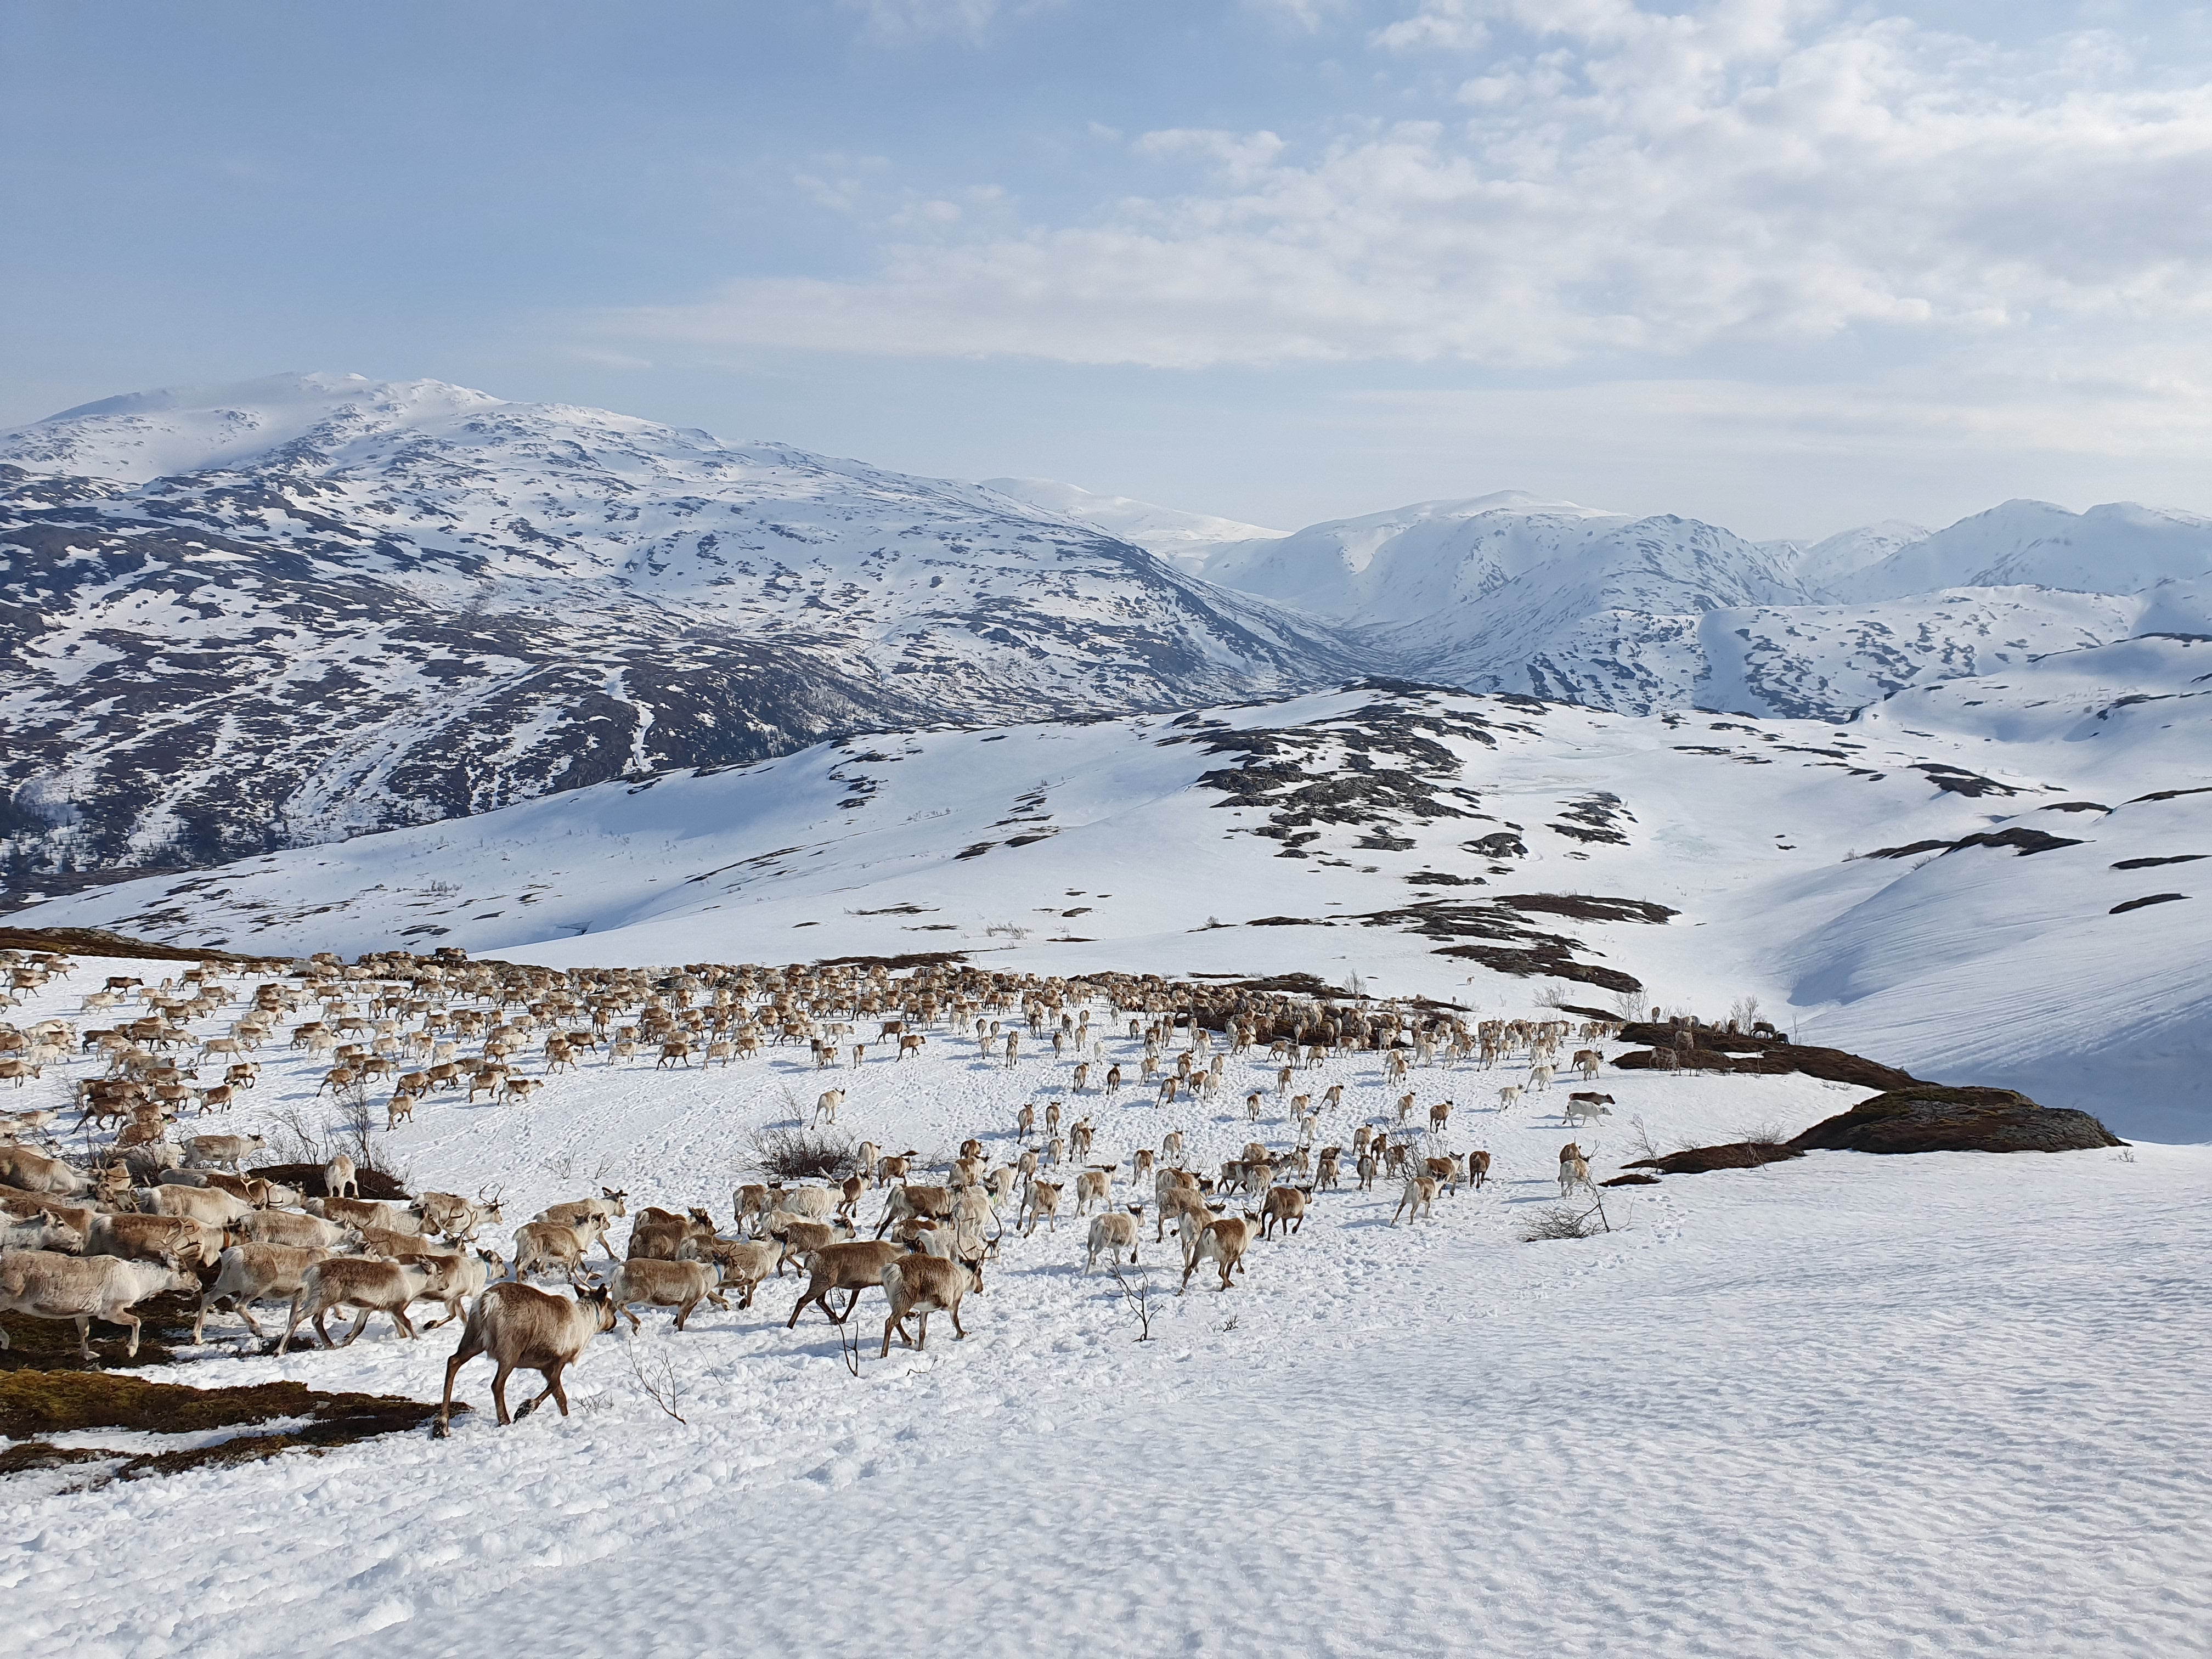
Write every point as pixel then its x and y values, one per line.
pixel 1785 265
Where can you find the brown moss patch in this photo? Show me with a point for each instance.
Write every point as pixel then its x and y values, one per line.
pixel 308 1178
pixel 98 942
pixel 1735 1155
pixel 57 1403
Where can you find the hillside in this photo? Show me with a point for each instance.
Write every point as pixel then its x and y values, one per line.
pixel 300 608
pixel 283 613
pixel 1473 850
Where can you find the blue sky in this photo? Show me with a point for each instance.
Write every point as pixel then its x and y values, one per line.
pixel 1784 264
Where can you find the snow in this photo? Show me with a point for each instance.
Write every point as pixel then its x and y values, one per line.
pixel 1186 540
pixel 1838 1406
pixel 2118 548
pixel 1113 844
pixel 1844 1405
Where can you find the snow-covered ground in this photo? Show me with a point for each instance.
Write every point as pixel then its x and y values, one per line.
pixel 1846 1405
pixel 1183 846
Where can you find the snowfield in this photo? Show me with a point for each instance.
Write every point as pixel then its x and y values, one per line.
pixel 620 695
pixel 1427 843
pixel 1923 1405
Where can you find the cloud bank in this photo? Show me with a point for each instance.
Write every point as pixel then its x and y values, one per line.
pixel 1595 182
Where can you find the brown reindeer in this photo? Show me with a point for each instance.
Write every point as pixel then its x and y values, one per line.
pixel 525 1328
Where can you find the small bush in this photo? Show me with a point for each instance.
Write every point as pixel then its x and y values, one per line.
pixel 804 1154
pixel 1560 1221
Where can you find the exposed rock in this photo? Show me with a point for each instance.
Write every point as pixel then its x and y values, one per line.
pixel 1773 1055
pixel 1929 1117
pixel 1733 1155
pixel 2137 904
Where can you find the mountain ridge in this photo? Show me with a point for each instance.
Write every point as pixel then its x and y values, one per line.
pixel 293 610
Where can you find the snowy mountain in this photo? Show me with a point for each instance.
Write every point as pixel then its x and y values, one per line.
pixel 1509 592
pixel 1183 538
pixel 298 609
pixel 1817 566
pixel 2119 548
pixel 304 607
pixel 1900 885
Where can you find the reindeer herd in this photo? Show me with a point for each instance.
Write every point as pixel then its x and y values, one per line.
pixel 154 1208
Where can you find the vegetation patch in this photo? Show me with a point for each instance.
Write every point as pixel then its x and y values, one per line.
pixel 34 1403
pixel 98 942
pixel 1775 1054
pixel 33 1343
pixel 1733 1155
pixel 308 1178
pixel 804 1154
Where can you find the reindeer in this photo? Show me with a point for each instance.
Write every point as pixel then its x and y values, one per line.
pixel 47 1286
pixel 521 1328
pixel 1286 1207
pixel 367 1285
pixel 1222 1240
pixel 1421 1195
pixel 565 1242
pixel 1574 1169
pixel 853 1266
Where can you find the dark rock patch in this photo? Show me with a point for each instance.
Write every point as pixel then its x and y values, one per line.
pixel 1960 781
pixel 2020 839
pixel 1929 1117
pixel 2137 904
pixel 1731 1155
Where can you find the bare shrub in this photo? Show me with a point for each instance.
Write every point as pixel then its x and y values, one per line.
pixel 1742 1013
pixel 1639 1138
pixel 292 1139
pixel 657 1376
pixel 1631 1004
pixel 848 1344
pixel 354 1133
pixel 1138 1295
pixel 1765 1135
pixel 1560 1221
pixel 1552 996
pixel 804 1154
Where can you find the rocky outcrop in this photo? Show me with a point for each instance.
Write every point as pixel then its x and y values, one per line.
pixel 1929 1117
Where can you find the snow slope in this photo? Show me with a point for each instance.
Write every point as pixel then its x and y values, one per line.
pixel 1184 539
pixel 1424 842
pixel 1844 1406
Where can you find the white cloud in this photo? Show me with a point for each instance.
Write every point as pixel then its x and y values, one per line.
pixel 1741 176
pixel 1439 25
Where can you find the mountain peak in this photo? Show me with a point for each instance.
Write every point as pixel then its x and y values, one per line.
pixel 170 430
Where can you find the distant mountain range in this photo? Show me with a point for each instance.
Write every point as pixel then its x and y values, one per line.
pixel 1510 592
pixel 302 608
